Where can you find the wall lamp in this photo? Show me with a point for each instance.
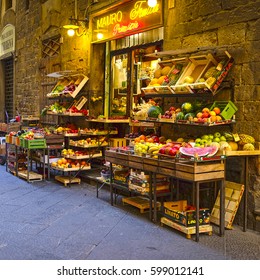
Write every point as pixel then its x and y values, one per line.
pixel 152 3
pixel 74 26
pixel 77 24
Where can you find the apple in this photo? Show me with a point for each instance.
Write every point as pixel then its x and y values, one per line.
pixel 197 145
pixel 217 135
pixel 216 139
pixel 211 136
pixel 197 140
pixel 205 136
pixel 223 138
pixel 173 152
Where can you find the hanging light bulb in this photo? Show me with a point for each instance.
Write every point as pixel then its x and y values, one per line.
pixel 152 3
pixel 71 32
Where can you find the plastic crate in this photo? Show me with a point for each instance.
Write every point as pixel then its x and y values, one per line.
pixel 34 144
pixel 228 108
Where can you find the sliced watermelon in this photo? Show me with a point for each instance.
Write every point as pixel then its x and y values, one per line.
pixel 200 151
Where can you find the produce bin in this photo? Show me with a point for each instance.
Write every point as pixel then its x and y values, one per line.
pixel 34 143
pixel 228 108
pixel 176 211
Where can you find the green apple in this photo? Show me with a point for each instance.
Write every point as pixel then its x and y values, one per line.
pixel 223 138
pixel 216 139
pixel 209 142
pixel 198 140
pixel 203 141
pixel 217 135
pixel 211 136
pixel 197 145
pixel 205 137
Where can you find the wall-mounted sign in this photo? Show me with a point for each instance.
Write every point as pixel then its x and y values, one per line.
pixel 7 40
pixel 126 19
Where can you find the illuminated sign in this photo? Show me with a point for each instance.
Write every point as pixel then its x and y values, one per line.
pixel 126 19
pixel 7 40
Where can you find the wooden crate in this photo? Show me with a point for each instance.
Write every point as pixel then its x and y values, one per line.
pixel 117 142
pixel 200 171
pixel 140 202
pixel 233 195
pixel 67 180
pixel 186 230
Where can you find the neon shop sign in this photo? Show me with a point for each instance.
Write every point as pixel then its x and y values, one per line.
pixel 127 19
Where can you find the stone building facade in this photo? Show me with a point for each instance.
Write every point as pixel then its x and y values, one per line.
pixel 233 25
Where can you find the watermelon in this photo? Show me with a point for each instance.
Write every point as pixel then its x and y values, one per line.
pixel 154 111
pixel 189 115
pixel 200 151
pixel 180 116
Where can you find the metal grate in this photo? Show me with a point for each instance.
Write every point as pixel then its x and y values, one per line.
pixel 9 93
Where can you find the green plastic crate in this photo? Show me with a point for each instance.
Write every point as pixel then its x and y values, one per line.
pixel 228 109
pixel 35 144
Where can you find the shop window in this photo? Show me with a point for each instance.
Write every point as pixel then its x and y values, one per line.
pixel 8 4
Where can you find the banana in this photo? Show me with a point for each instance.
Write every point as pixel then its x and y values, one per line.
pixel 153 149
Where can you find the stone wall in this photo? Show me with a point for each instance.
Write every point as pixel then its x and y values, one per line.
pixel 235 25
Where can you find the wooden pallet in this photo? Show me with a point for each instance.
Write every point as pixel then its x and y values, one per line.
pixel 140 202
pixel 67 180
pixel 32 176
pixel 233 195
pixel 186 230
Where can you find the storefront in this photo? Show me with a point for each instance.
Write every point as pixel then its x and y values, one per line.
pixel 130 31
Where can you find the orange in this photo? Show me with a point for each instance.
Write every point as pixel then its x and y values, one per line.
pixel 216 110
pixel 206 110
pixel 213 118
pixel 199 115
pixel 64 161
pixel 142 137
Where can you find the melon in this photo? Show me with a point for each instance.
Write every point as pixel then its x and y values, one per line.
pixel 233 145
pixel 157 73
pixel 180 116
pixel 187 107
pixel 165 70
pixel 200 151
pixel 154 111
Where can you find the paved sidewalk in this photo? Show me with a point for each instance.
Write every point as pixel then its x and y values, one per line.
pixel 45 220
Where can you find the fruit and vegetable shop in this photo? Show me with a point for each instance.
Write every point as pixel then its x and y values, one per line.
pixel 153 102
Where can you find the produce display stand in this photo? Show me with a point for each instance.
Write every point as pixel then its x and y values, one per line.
pixel 28 174
pixel 195 172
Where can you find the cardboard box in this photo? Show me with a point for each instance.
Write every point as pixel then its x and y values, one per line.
pixel 176 211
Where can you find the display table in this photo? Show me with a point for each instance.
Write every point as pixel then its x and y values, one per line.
pixel 180 169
